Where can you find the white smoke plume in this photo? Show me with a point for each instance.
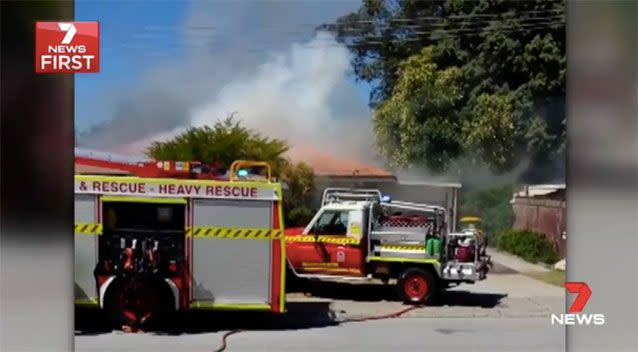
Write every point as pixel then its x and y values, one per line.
pixel 302 96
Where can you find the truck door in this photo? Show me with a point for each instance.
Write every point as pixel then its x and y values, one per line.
pixel 229 271
pixel 338 245
pixel 86 249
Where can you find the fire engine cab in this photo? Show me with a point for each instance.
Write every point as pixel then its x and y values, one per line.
pixel 361 234
pixel 178 236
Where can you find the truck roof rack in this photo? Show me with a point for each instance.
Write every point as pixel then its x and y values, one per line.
pixel 417 206
pixel 335 195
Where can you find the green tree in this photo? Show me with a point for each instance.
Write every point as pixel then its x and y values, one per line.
pixel 299 180
pixel 228 140
pixel 418 122
pixel 483 80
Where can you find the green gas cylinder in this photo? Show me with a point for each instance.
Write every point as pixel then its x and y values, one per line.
pixel 436 246
pixel 429 247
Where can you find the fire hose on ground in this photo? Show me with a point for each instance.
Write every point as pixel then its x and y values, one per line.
pixel 392 315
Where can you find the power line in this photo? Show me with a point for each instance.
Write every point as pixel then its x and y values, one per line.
pixel 373 41
pixel 453 33
pixel 503 15
pixel 381 27
pixel 419 35
pixel 468 26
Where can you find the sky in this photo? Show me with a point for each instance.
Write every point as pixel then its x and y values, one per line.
pixel 167 65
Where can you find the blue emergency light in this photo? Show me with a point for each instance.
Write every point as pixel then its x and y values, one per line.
pixel 242 173
pixel 386 199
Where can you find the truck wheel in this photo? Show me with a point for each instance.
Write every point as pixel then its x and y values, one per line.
pixel 416 286
pixel 138 304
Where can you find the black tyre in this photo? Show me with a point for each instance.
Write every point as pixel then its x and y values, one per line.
pixel 139 303
pixel 416 286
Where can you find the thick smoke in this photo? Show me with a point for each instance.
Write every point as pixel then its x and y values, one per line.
pixel 258 59
pixel 301 95
pixel 470 174
pixel 261 60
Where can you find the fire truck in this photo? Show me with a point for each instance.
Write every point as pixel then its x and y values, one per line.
pixel 176 236
pixel 360 234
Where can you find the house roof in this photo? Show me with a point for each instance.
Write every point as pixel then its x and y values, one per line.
pixel 539 190
pixel 329 165
pixel 431 184
pixel 531 191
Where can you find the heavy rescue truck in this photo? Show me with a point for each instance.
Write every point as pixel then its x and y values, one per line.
pixel 177 236
pixel 360 234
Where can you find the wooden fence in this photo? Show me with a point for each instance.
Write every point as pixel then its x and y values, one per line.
pixel 543 215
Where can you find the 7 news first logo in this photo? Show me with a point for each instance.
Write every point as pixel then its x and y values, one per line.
pixel 575 317
pixel 67 47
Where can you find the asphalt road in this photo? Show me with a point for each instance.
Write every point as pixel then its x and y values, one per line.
pixel 495 315
pixel 408 334
pixel 505 312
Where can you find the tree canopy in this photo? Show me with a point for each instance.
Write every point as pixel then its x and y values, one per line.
pixel 482 81
pixel 228 140
pixel 224 142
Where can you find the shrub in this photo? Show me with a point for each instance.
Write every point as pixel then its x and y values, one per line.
pixel 300 216
pixel 529 245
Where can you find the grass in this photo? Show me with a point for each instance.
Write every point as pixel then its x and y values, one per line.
pixel 552 277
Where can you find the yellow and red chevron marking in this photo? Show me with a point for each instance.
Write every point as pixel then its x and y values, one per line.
pixel 323 239
pixel 234 233
pixel 302 238
pixel 88 229
pixel 201 232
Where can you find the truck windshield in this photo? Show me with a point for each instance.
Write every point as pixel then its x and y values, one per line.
pixel 332 222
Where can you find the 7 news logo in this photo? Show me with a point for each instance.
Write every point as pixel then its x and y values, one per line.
pixel 583 293
pixel 67 47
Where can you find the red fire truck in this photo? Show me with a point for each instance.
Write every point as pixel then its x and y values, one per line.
pixel 177 236
pixel 360 234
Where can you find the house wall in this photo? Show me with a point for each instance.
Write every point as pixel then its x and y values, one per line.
pixel 544 215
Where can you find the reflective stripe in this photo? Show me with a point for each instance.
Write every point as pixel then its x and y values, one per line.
pixel 302 238
pixel 403 247
pixel 229 306
pixel 234 233
pixel 88 229
pixel 333 270
pixel 85 302
pixel 324 239
pixel 201 232
pixel 154 200
pixel 432 261
pixel 282 297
